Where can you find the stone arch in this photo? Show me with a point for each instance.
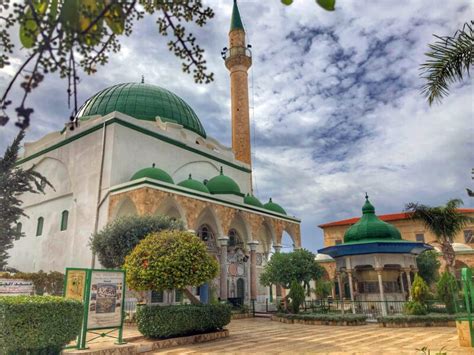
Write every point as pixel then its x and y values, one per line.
pixel 266 236
pixel 208 216
pixel 287 242
pixel 200 170
pixel 171 208
pixel 126 207
pixel 240 224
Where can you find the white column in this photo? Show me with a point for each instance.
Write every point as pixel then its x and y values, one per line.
pixel 253 268
pixel 351 289
pixel 382 296
pixel 401 283
pixel 223 267
pixel 407 272
pixel 341 291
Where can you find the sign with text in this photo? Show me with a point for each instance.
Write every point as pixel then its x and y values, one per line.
pixel 106 299
pixel 16 287
pixel 75 284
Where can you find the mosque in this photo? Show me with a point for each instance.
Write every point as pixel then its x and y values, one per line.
pixel 141 149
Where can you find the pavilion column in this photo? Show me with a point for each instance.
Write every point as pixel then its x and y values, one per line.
pixel 407 272
pixel 382 296
pixel 277 248
pixel 351 289
pixel 401 283
pixel 341 290
pixel 333 288
pixel 223 267
pixel 253 269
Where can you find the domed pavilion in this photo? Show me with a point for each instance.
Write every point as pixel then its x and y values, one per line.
pixel 374 260
pixel 139 149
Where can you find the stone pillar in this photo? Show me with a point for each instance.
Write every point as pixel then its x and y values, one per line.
pixel 253 269
pixel 407 271
pixel 333 289
pixel 341 290
pixel 223 267
pixel 277 248
pixel 351 290
pixel 401 284
pixel 382 296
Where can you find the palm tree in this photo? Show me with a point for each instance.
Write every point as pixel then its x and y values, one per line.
pixel 445 222
pixel 448 60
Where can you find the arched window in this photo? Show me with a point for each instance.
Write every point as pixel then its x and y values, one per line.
pixel 39 226
pixel 64 218
pixel 234 239
pixel 207 235
pixel 18 231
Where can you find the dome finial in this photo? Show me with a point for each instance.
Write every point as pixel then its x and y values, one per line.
pixel 190 177
pixel 143 79
pixel 222 171
pixel 366 197
pixel 153 165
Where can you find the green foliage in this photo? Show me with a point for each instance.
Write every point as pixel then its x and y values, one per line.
pixel 419 290
pixel 415 308
pixel 323 288
pixel 327 5
pixel 330 317
pixel 429 318
pixel 447 290
pixel 51 283
pixel 169 260
pixel 31 324
pixel 449 59
pixel 297 296
pixel 428 266
pixel 170 321
pixel 298 265
pixel 118 238
pixel 14 181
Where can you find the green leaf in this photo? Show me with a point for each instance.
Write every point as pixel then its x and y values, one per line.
pixel 69 16
pixel 115 19
pixel 28 30
pixel 327 5
pixel 287 2
pixel 40 6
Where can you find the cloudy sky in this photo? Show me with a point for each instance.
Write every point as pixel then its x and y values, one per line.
pixel 336 106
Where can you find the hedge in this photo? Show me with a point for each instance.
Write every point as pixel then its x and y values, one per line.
pixel 325 317
pixel 38 324
pixel 431 317
pixel 169 321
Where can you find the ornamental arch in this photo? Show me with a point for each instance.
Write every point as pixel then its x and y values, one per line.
pixel 125 207
pixel 208 217
pixel 171 208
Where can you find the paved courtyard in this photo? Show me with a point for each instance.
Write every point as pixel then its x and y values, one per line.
pixel 258 335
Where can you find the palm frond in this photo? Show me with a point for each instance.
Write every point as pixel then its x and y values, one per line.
pixel 449 59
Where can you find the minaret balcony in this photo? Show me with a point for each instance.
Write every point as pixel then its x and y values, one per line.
pixel 237 56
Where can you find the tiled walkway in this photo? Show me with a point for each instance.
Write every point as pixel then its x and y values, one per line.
pixel 258 336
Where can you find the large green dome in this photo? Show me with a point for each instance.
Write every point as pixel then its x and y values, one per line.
pixel 144 102
pixel 153 173
pixel 370 227
pixel 222 184
pixel 192 184
pixel 275 207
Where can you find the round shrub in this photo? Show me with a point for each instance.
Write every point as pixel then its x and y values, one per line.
pixel 118 238
pixel 169 260
pixel 38 324
pixel 170 321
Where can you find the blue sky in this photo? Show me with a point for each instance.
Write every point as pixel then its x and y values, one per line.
pixel 336 106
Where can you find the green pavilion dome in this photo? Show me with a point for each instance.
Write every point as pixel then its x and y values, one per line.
pixel 192 184
pixel 275 207
pixel 222 184
pixel 370 227
pixel 153 173
pixel 252 200
pixel 143 102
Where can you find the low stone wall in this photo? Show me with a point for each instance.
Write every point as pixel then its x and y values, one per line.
pixel 450 323
pixel 241 315
pixel 142 345
pixel 319 322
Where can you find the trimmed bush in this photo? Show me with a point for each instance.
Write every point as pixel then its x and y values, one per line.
pixel 172 321
pixel 415 308
pixel 296 295
pixel 431 319
pixel 38 324
pixel 329 317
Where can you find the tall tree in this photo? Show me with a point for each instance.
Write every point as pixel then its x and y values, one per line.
pixel 14 181
pixel 450 58
pixel 445 222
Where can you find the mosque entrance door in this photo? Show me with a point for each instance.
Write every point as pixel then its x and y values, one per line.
pixel 241 289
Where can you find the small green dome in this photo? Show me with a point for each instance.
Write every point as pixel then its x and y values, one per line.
pixel 222 184
pixel 371 227
pixel 275 207
pixel 144 102
pixel 192 184
pixel 252 200
pixel 153 173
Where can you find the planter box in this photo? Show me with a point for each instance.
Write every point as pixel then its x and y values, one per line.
pixel 319 322
pixel 464 334
pixel 449 323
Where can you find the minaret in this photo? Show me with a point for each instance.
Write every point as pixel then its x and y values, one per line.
pixel 238 60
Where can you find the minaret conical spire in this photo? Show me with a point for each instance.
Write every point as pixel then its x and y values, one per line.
pixel 236 21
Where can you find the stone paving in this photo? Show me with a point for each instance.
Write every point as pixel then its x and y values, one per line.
pixel 258 336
